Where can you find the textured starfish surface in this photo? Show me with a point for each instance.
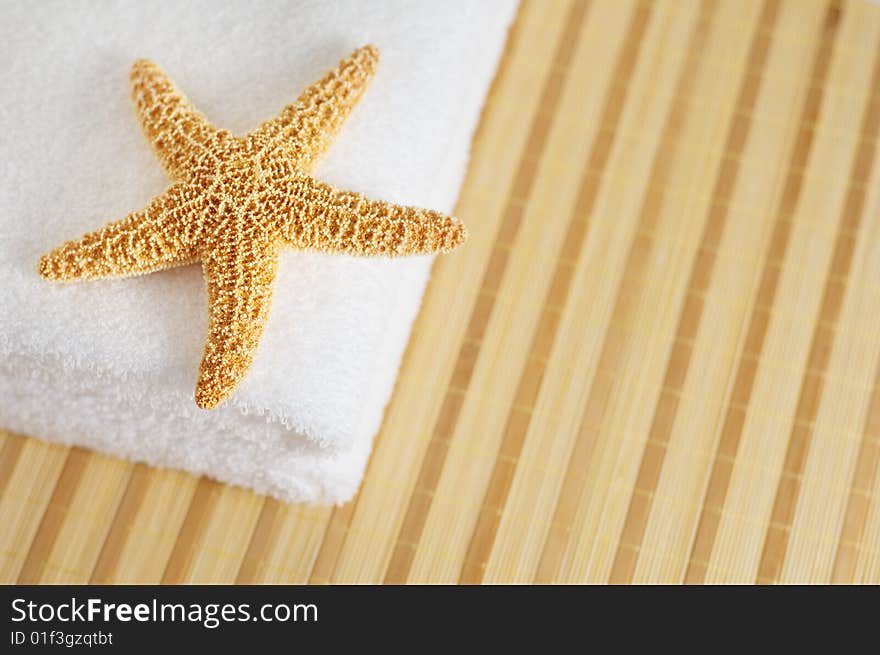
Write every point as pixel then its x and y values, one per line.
pixel 236 201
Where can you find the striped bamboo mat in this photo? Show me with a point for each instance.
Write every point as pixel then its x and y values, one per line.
pixel 656 361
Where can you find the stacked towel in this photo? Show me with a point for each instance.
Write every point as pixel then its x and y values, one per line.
pixel 111 365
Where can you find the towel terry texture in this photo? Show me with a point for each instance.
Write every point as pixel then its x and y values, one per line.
pixel 111 365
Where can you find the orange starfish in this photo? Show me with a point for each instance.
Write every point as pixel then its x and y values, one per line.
pixel 236 201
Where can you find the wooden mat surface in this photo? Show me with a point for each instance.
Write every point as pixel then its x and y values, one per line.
pixel 656 361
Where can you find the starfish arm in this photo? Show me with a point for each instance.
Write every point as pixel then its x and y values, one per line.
pixel 181 136
pixel 144 241
pixel 239 293
pixel 315 215
pixel 306 128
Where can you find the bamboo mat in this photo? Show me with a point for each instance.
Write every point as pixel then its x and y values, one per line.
pixel 657 360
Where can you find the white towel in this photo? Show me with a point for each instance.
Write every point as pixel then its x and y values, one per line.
pixel 111 365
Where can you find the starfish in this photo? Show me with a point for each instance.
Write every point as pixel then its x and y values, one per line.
pixel 236 201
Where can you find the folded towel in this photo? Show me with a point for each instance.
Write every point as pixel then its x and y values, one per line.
pixel 110 365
